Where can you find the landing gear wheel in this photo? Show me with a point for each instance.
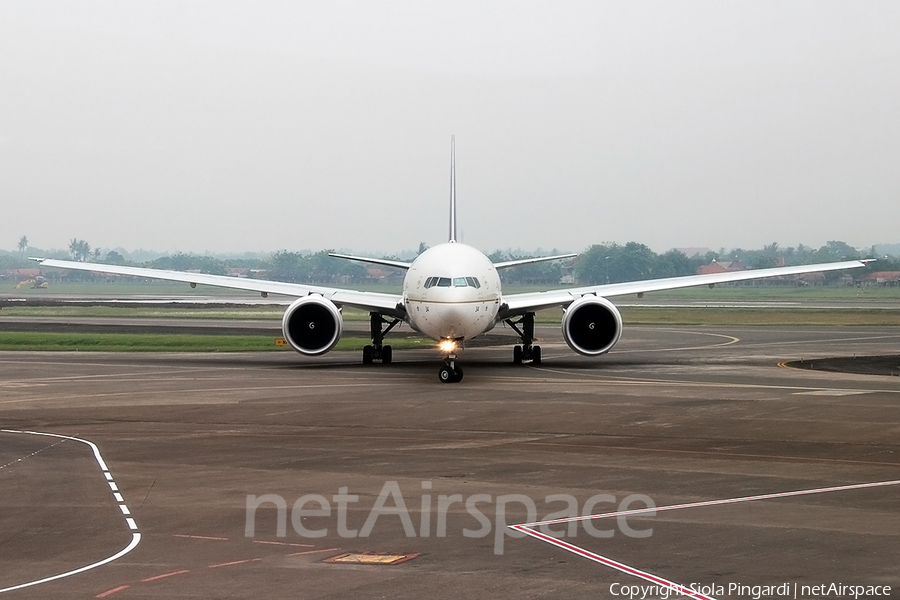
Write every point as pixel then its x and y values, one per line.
pixel 517 355
pixel 527 352
pixel 378 328
pixel 448 375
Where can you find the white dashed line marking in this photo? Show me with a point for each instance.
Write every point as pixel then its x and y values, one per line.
pixel 135 536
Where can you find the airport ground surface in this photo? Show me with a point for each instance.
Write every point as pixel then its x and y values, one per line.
pixel 677 415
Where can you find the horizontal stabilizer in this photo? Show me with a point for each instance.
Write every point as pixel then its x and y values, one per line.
pixel 375 261
pixel 526 261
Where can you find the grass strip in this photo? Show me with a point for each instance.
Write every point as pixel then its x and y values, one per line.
pixel 760 316
pixel 115 312
pixel 125 342
pixel 637 315
pixel 269 313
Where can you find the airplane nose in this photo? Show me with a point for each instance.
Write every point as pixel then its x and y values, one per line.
pixel 453 320
pixel 453 314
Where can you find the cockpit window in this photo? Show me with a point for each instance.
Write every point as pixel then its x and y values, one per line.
pixel 454 282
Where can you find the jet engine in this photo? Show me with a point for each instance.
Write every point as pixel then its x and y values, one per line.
pixel 312 325
pixel 592 325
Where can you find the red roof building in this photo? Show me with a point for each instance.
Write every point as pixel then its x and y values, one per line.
pixel 717 267
pixel 888 278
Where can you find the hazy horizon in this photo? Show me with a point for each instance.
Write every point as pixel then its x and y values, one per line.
pixel 279 125
pixel 882 250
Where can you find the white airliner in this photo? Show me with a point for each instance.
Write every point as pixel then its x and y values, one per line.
pixel 451 293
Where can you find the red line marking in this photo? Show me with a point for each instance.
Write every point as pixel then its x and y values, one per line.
pixel 112 591
pixel 166 575
pixel 285 544
pixel 199 537
pixel 679 589
pixel 313 551
pixel 237 562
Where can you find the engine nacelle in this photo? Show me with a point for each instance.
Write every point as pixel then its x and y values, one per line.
pixel 312 325
pixel 592 325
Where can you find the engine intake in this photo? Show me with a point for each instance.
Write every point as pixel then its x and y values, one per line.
pixel 312 325
pixel 592 325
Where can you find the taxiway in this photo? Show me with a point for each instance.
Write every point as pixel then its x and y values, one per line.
pixel 676 415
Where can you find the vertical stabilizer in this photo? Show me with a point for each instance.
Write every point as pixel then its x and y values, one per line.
pixel 452 189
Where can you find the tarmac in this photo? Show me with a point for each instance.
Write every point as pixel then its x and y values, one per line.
pixel 240 475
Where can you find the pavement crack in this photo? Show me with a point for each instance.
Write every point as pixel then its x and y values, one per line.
pixel 148 493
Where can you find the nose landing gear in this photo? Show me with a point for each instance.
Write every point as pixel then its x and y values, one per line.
pixel 450 372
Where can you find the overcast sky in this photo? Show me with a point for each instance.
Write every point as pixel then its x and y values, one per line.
pixel 267 125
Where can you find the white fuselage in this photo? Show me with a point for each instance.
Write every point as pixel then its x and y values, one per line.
pixel 452 292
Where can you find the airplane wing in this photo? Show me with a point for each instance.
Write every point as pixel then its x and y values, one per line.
pixel 516 304
pixel 389 304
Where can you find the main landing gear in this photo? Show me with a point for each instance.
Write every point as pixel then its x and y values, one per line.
pixel 450 373
pixel 378 328
pixel 527 352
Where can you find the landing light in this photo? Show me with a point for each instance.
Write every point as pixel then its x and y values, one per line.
pixel 447 345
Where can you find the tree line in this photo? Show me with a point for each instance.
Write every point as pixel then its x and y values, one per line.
pixel 614 263
pixel 598 264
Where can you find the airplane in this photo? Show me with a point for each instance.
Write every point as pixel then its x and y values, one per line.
pixel 452 294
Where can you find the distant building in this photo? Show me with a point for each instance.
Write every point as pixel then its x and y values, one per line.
pixel 567 272
pixel 807 278
pixel 377 273
pixel 882 278
pixel 891 278
pixel 18 275
pixel 721 267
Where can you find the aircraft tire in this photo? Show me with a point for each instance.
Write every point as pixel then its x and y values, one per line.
pixel 536 355
pixel 387 355
pixel 367 354
pixel 517 355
